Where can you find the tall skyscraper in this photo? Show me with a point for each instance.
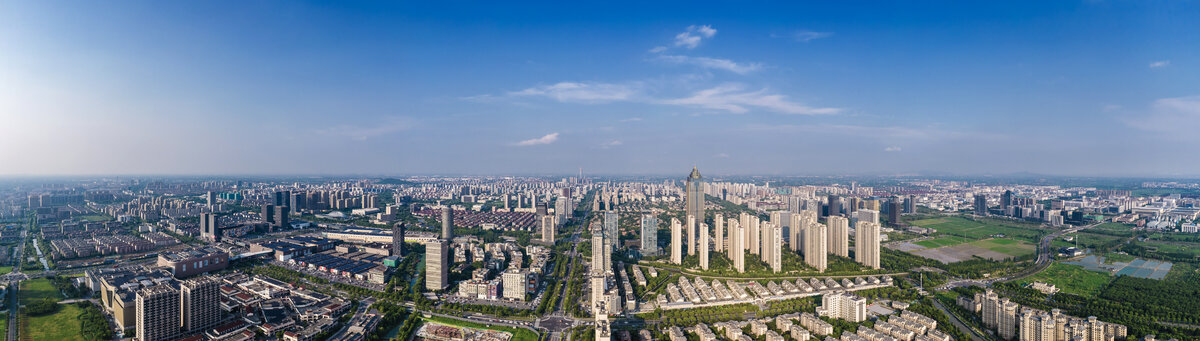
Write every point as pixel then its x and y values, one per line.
pixel 703 246
pixel 282 217
pixel 281 197
pixel 611 221
pixel 1036 326
pixel 200 300
pixel 691 235
pixel 815 248
pixel 157 313
pixel 268 214
pixel 795 234
pixel 649 235
pixel 744 221
pixel 447 223
pixel 839 236
pixel 866 244
pixel 776 259
pixel 297 202
pixel 209 228
pixel 910 204
pixel 437 262
pixel 764 237
pixel 609 241
pixel 694 186
pixel 598 282
pixel 548 229
pixel 719 243
pixel 894 210
pixel 783 219
pixel 563 209
pixel 210 198
pixel 1008 321
pixel 864 215
pixel 398 231
pixel 981 204
pixel 1006 199
pixel 738 249
pixel 598 251
pixel 755 236
pixel 871 204
pixel 676 241
pixel 835 205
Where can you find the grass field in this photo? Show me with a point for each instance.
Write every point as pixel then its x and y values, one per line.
pixel 927 222
pixel 96 217
pixel 1187 248
pixel 62 325
pixel 943 241
pixel 4 326
pixel 1006 246
pixel 1085 240
pixel 519 334
pixel 1123 229
pixel 1071 279
pixel 1181 272
pixel 980 228
pixel 5 269
pixel 37 289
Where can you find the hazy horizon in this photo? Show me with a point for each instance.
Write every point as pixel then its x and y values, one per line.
pixel 1086 88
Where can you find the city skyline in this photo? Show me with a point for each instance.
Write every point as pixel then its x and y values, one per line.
pixel 598 171
pixel 285 88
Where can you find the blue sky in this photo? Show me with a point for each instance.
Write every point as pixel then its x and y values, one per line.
pixel 1069 88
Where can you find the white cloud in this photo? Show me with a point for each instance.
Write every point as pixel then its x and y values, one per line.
pixel 889 133
pixel 807 36
pixel 611 144
pixel 631 119
pixel 548 139
pixel 1110 107
pixel 1174 116
pixel 1160 63
pixel 713 63
pixel 732 98
pixel 658 49
pixel 721 155
pixel 892 149
pixel 581 92
pixel 692 36
pixel 385 126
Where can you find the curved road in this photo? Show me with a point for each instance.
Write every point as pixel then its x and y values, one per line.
pixel 975 336
pixel 1044 258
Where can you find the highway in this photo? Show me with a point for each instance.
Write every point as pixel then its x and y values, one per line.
pixel 558 321
pixel 14 284
pixel 363 306
pixel 1045 252
pixel 975 335
pixel 1044 258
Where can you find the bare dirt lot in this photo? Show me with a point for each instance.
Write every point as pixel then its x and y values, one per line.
pixel 958 253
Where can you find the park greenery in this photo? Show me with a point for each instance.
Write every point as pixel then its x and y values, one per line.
pixel 1143 305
